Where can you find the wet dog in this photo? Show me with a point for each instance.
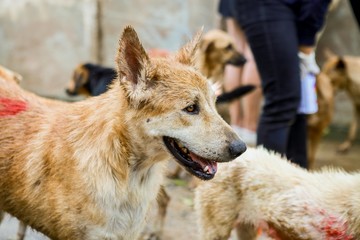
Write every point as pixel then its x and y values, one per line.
pixel 89 169
pixel 265 191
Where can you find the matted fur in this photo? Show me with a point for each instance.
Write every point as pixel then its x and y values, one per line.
pixel 89 169
pixel 260 186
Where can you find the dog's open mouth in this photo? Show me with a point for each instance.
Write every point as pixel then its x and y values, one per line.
pixel 200 167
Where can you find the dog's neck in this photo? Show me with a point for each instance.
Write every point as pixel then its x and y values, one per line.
pixel 107 140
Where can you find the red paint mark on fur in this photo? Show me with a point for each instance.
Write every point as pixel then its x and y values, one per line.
pixel 335 229
pixel 11 107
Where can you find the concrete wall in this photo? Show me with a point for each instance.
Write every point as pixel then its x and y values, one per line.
pixel 45 39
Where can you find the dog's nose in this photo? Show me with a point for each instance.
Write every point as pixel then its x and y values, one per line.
pixel 236 148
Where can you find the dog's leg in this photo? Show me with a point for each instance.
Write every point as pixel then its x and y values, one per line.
pixel 346 145
pixel 216 211
pixel 163 201
pixel 21 231
pixel 246 231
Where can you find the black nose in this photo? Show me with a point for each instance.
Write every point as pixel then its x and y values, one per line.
pixel 237 148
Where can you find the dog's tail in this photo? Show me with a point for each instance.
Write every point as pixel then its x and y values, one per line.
pixel 234 94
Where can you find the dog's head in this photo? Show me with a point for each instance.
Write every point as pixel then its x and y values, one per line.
pixel 175 107
pixel 335 69
pixel 78 82
pixel 217 47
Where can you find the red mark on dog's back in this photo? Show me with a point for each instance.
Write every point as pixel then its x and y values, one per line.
pixel 335 229
pixel 10 107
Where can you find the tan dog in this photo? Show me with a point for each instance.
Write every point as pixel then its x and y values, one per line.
pixel 261 189
pixel 88 170
pixel 217 48
pixel 319 121
pixel 344 73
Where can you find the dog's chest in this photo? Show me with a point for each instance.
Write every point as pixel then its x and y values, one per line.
pixel 125 215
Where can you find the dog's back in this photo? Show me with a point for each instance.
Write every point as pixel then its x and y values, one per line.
pixel 263 187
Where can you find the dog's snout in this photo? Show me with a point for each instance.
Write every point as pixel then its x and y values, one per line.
pixel 236 148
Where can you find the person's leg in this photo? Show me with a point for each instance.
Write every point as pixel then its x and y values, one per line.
pixel 273 40
pixel 233 74
pixel 252 101
pixel 355 5
pixel 297 146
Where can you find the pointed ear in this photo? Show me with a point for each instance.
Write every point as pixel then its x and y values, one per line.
pixel 131 59
pixel 187 54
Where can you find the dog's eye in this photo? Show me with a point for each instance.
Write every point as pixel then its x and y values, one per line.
pixel 229 47
pixel 192 109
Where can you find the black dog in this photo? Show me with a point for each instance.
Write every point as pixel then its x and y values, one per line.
pixel 90 79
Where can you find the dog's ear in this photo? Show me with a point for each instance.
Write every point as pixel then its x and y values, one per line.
pixel 187 54
pixel 207 46
pixel 340 65
pixel 131 58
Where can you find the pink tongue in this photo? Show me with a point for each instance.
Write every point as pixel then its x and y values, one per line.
pixel 211 165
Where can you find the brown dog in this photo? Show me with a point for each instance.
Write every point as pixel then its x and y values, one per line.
pixel 217 49
pixel 265 191
pixel 88 170
pixel 344 73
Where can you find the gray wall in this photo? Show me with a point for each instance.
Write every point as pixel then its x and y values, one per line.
pixel 45 39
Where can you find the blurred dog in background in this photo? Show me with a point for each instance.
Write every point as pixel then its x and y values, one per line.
pixel 90 80
pixel 344 74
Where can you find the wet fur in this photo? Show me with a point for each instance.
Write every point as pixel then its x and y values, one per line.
pixel 260 186
pixel 88 170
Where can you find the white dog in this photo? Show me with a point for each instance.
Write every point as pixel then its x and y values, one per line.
pixel 260 188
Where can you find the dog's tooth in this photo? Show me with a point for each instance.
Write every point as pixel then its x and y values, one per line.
pixel 206 169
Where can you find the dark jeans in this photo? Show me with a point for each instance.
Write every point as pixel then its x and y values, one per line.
pixel 271 30
pixel 355 5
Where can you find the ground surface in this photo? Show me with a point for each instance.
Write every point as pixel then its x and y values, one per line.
pixel 180 221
